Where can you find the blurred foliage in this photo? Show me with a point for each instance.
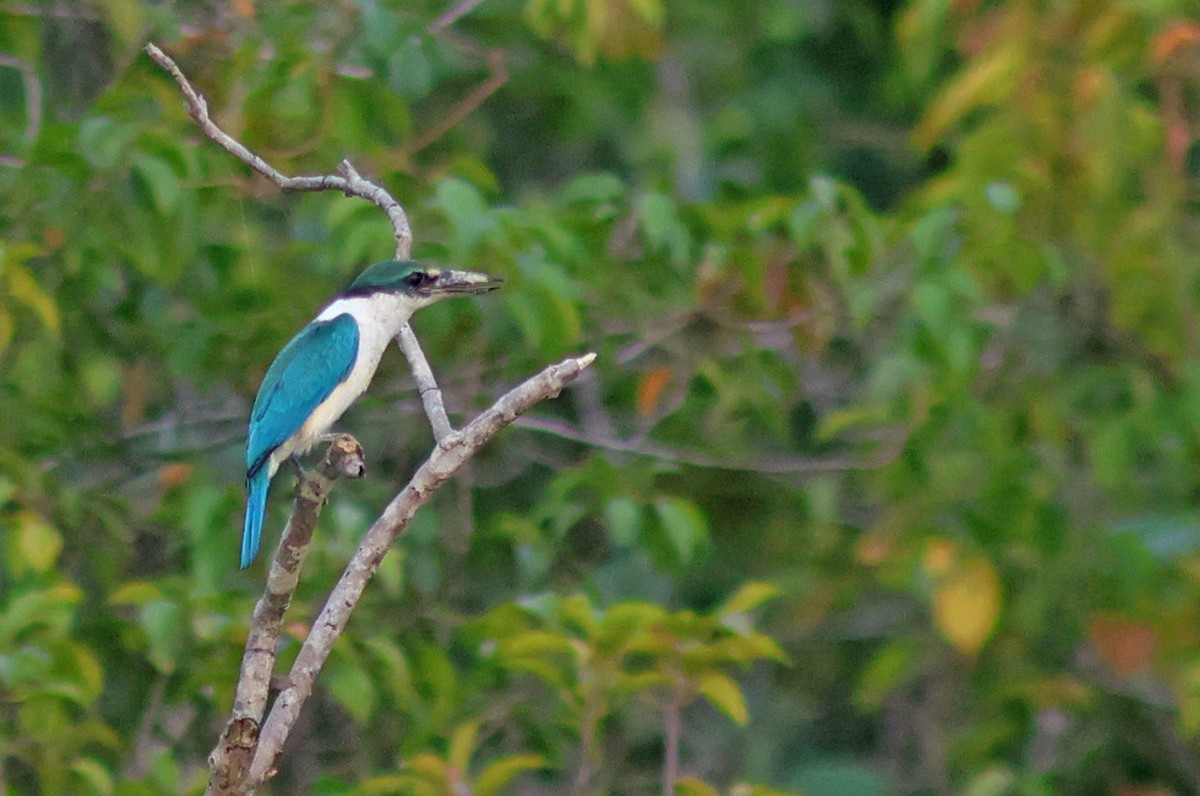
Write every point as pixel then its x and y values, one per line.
pixel 884 479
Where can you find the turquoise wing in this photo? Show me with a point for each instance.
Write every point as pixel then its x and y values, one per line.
pixel 306 371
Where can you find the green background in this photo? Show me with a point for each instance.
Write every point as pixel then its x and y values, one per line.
pixel 884 479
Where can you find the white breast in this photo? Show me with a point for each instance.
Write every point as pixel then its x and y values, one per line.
pixel 379 319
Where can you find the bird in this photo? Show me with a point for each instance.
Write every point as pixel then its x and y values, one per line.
pixel 330 363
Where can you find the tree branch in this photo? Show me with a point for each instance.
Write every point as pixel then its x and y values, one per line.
pixel 453 14
pixel 427 388
pixel 672 724
pixel 347 180
pixel 497 77
pixel 447 457
pixel 230 760
pixel 886 452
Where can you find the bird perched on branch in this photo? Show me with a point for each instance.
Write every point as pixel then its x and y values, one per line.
pixel 330 363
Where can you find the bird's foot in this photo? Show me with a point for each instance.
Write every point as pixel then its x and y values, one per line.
pixel 294 461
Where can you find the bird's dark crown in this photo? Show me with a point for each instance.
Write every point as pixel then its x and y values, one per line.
pixel 387 276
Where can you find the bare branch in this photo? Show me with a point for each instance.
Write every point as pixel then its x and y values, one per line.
pixel 453 14
pixel 449 455
pixel 498 77
pixel 886 452
pixel 672 727
pixel 347 180
pixel 427 388
pixel 230 760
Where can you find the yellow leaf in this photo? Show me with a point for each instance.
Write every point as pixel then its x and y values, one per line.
pixel 25 289
pixel 6 329
pixel 39 542
pixel 748 597
pixel 650 10
pixel 493 779
pixel 966 604
pixel 987 80
pixel 725 694
pixel 135 593
pixel 430 769
pixel 462 746
pixel 690 786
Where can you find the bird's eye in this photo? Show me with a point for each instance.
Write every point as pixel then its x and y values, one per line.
pixel 416 279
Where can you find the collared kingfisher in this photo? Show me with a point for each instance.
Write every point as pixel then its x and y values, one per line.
pixel 328 365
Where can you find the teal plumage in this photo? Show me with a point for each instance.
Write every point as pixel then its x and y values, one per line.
pixel 304 374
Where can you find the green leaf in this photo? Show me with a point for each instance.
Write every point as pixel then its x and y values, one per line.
pixel 623 519
pixel 578 614
pixel 748 597
pixel 101 380
pixel 103 142
pixel 127 19
pixel 628 684
pixel 396 674
pixel 803 222
pixel 470 219
pixel 932 304
pixel 52 609
pixel 594 189
pixel 933 232
pixel 726 695
pixel 135 593
pixel 1111 453
pixel 409 69
pixel 160 181
pixel 499 773
pixel 662 227
pixel 351 687
pixel 685 525
pixel 535 643
pixel 995 780
pixel 623 620
pixel 160 620
pixel 841 420
pixel 888 668
pixel 94 774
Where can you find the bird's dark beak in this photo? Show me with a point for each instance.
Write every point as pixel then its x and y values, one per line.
pixel 447 282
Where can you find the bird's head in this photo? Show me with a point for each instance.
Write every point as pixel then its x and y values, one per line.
pixel 420 282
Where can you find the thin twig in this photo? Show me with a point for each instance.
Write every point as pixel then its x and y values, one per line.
pixel 347 180
pixel 427 388
pixel 33 104
pixel 774 465
pixel 448 456
pixel 497 77
pixel 453 14
pixel 672 727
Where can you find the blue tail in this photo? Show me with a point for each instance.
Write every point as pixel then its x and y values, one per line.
pixel 256 507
